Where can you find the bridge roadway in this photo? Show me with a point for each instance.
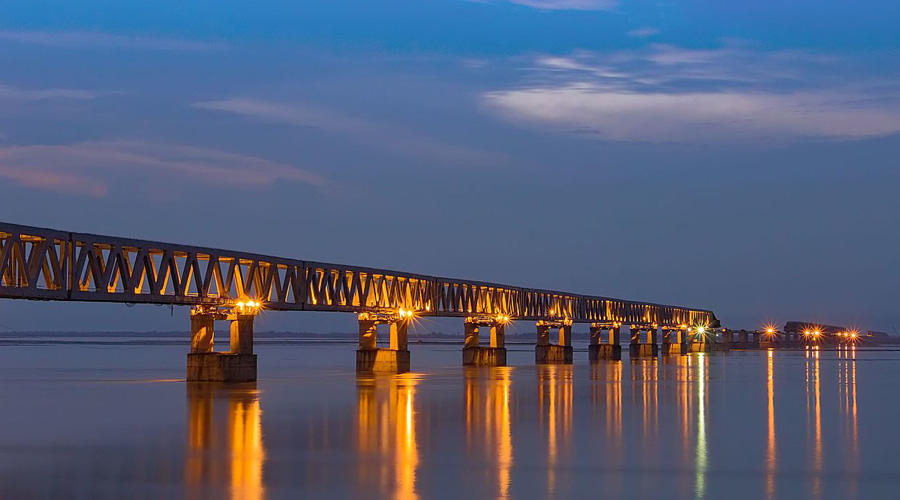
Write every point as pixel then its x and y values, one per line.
pixel 47 264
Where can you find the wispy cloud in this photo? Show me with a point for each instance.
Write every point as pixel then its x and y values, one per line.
pixel 90 39
pixel 17 94
pixel 89 168
pixel 361 131
pixel 562 4
pixel 644 32
pixel 666 93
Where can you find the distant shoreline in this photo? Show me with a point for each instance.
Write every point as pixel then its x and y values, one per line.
pixel 276 337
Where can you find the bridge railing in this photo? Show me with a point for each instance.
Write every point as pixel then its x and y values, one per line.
pixel 46 264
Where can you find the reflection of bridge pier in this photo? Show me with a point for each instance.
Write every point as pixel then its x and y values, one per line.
pixel 224 450
pixel 771 448
pixel 814 413
pixel 645 376
pixel 488 423
pixel 847 384
pixel 555 401
pixel 386 435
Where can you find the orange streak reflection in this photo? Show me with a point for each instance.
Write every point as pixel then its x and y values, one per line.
pixel 814 412
pixel 242 444
pixel 645 371
pixel 555 399
pixel 770 441
pixel 847 376
pixel 386 434
pixel 488 424
pixel 702 401
pixel 606 393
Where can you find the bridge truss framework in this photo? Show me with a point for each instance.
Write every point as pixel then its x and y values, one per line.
pixel 46 264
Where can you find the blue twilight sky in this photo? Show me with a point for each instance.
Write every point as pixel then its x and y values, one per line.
pixel 740 156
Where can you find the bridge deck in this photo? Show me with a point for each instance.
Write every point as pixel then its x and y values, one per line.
pixel 46 264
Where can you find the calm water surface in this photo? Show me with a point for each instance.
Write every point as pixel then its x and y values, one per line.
pixel 111 420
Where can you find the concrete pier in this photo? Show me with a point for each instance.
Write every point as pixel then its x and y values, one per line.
pixel 598 350
pixel 700 339
pixel 701 346
pixel 745 339
pixel 394 359
pixel 674 342
pixel 638 349
pixel 236 365
pixel 723 340
pixel 221 367
pixel 561 353
pixel 473 353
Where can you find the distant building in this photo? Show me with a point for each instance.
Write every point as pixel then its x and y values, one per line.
pixel 878 335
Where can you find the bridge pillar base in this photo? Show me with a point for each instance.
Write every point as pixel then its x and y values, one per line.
pixel 382 361
pixel 700 347
pixel 601 352
pixel 221 367
pixel 484 356
pixel 553 354
pixel 643 350
pixel 674 349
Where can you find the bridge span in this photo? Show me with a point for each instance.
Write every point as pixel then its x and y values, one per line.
pixel 48 264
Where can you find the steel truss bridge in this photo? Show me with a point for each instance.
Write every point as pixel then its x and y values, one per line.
pixel 47 264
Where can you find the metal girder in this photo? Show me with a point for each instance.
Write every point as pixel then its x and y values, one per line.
pixel 45 264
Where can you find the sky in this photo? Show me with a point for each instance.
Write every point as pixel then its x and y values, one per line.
pixel 736 156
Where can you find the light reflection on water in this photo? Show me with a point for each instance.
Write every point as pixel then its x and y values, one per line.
pixel 771 444
pixel 386 435
pixel 743 425
pixel 488 422
pixel 225 440
pixel 555 403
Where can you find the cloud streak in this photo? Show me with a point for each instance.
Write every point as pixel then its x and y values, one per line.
pixel 671 94
pixel 17 94
pixel 364 132
pixel 90 39
pixel 568 4
pixel 89 168
pixel 646 31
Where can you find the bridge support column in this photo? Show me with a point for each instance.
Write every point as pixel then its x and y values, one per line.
pixel 699 341
pixel 475 354
pixel 638 349
pixel 206 365
pixel 546 353
pixel 673 342
pixel 598 350
pixel 727 340
pixel 744 341
pixel 370 358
